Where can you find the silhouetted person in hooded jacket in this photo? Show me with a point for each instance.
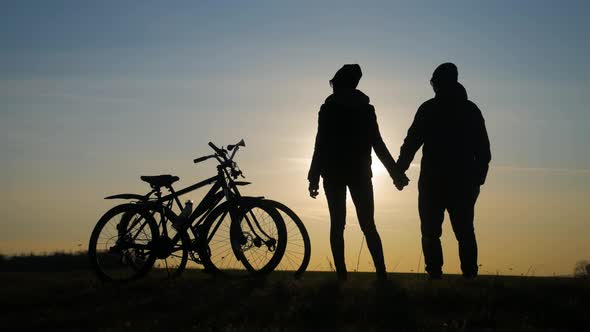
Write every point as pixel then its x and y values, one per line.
pixel 347 131
pixel 455 158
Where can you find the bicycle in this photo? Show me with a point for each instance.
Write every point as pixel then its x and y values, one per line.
pixel 255 232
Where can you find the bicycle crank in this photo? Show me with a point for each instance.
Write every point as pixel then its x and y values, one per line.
pixel 162 247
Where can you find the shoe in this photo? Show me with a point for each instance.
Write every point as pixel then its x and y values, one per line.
pixel 470 276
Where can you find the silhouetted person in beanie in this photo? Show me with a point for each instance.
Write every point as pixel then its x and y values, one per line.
pixel 347 131
pixel 455 158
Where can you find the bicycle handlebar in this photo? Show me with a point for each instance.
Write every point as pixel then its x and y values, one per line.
pixel 198 160
pixel 215 148
pixel 231 147
pixel 222 157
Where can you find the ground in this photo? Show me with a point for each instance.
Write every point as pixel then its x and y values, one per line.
pixel 408 302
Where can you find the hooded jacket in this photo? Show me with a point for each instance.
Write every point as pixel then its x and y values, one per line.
pixel 347 130
pixel 456 148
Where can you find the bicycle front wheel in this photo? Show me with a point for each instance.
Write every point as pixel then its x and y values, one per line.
pixel 298 250
pixel 120 246
pixel 248 239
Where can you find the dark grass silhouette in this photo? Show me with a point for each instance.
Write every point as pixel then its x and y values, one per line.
pixel 408 302
pixel 52 262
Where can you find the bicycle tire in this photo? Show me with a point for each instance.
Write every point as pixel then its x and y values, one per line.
pixel 128 259
pixel 296 260
pixel 220 259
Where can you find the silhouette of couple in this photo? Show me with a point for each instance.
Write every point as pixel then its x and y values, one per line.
pixel 455 158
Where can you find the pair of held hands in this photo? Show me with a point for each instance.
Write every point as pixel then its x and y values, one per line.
pixel 400 180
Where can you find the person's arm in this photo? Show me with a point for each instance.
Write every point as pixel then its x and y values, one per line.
pixel 313 176
pixel 413 141
pixel 483 155
pixel 379 146
pixel 400 180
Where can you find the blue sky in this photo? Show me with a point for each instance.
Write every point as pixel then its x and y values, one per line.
pixel 536 50
pixel 93 94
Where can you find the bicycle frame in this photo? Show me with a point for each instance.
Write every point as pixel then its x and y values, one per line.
pixel 163 204
pixel 224 186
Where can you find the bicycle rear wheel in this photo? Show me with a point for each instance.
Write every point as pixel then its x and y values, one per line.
pixel 245 240
pixel 120 246
pixel 298 250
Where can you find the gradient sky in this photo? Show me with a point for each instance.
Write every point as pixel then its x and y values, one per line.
pixel 94 94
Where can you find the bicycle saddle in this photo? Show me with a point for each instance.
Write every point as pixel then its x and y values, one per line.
pixel 158 181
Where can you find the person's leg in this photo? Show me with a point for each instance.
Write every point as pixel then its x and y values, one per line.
pixel 432 212
pixel 461 211
pixel 361 191
pixel 336 196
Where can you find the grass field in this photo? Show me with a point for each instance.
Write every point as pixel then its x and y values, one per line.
pixel 77 301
